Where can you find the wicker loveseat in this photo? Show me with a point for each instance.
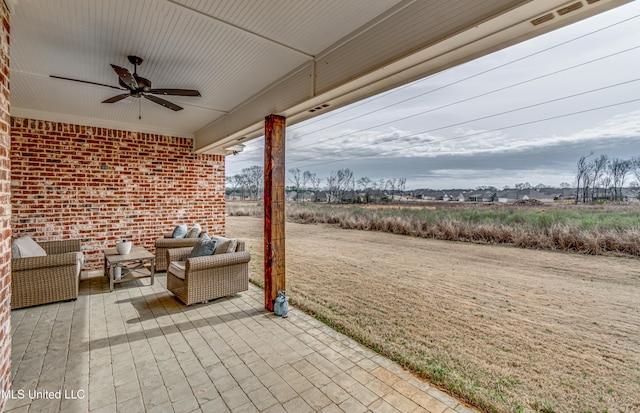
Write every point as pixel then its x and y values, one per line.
pixel 209 277
pixel 47 279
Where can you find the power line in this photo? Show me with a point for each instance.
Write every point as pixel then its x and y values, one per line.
pixel 462 122
pixel 479 133
pixel 481 118
pixel 474 75
pixel 451 84
pixel 466 99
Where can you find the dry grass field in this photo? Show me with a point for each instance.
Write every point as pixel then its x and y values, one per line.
pixel 507 329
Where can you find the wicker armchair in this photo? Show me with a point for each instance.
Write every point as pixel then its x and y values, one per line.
pixel 167 243
pixel 210 277
pixel 41 280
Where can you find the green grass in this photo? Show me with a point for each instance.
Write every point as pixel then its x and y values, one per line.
pixel 516 217
pixel 585 218
pixel 588 230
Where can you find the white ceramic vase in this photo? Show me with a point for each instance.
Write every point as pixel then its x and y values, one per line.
pixel 117 272
pixel 123 247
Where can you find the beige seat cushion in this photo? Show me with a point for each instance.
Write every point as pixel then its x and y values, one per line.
pixel 79 262
pixel 177 268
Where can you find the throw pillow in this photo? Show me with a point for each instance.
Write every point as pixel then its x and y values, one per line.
pixel 223 244
pixel 180 231
pixel 205 246
pixel 25 247
pixel 232 246
pixel 194 232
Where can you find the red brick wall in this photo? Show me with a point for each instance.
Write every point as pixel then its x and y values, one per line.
pixel 5 209
pixel 102 185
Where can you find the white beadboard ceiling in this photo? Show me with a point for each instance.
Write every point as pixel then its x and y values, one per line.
pixel 249 58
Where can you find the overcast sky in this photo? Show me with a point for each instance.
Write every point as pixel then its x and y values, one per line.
pixel 440 133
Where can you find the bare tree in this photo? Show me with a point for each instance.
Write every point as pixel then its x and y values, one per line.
pixel 235 182
pixel 315 184
pixel 255 180
pixel 345 182
pixel 523 185
pixel 636 167
pixel 606 184
pixel 391 185
pixel 306 177
pixel 367 185
pixel 364 183
pixel 619 168
pixel 581 169
pixel 396 185
pixel 338 183
pixel 240 181
pixel 599 166
pixel 402 185
pixel 379 188
pixel 295 177
pixel 587 182
pixel 332 186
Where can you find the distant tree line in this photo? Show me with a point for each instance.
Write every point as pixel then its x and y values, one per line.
pixel 339 186
pixel 249 183
pixel 602 177
pixel 598 178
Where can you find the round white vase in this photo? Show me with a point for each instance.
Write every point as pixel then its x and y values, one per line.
pixel 123 247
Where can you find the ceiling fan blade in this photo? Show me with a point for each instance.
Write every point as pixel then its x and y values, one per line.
pixel 86 81
pixel 116 98
pixel 163 102
pixel 174 92
pixel 126 77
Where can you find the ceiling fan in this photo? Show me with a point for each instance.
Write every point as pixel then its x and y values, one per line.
pixel 137 86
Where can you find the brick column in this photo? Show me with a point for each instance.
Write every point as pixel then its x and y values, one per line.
pixel 5 209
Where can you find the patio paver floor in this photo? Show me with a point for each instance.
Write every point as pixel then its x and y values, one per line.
pixel 138 349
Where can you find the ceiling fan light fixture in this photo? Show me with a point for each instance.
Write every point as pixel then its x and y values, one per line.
pixel 235 149
pixel 144 84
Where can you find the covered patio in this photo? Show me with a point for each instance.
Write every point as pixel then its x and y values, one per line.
pixel 77 162
pixel 138 349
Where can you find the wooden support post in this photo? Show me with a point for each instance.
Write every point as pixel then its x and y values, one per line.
pixel 274 238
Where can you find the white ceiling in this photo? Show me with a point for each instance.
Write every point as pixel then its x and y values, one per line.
pixel 248 58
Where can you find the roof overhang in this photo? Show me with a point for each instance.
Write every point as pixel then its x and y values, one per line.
pixel 250 59
pixel 300 95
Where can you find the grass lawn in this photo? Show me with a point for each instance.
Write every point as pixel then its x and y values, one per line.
pixel 506 329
